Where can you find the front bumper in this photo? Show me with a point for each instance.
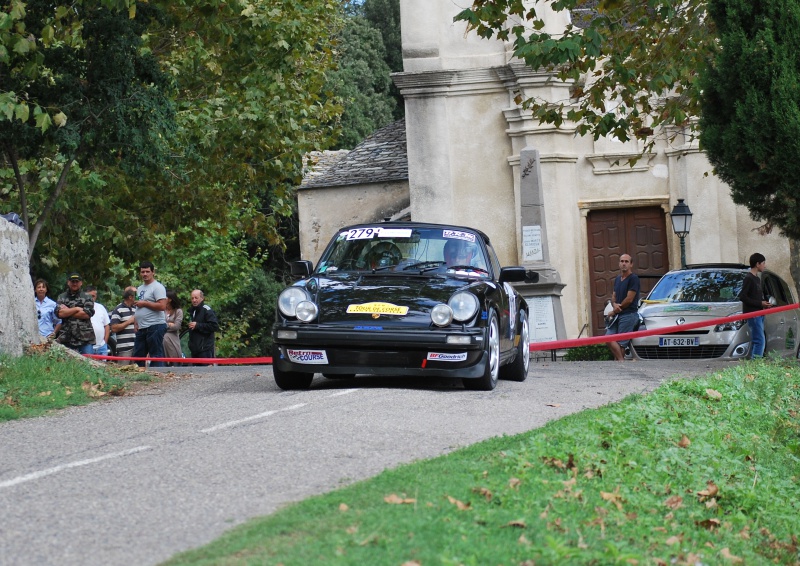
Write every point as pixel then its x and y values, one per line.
pixel 728 345
pixel 393 352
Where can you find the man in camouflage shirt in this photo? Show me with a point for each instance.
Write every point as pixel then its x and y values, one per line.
pixel 75 309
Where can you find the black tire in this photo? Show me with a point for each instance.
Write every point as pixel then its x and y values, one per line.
pixel 488 381
pixel 289 380
pixel 518 369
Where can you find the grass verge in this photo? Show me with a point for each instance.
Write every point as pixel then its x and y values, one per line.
pixel 49 378
pixel 701 471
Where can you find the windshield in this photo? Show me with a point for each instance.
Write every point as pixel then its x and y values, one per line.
pixel 706 286
pixel 393 249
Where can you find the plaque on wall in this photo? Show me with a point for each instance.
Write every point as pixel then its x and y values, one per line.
pixel 543 321
pixel 532 243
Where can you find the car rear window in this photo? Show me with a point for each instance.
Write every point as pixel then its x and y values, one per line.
pixel 705 286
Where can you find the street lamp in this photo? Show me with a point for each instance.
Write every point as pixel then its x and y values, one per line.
pixel 681 223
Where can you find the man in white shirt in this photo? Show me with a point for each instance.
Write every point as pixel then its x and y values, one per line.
pixel 101 324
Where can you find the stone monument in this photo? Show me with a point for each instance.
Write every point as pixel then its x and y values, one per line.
pixel 18 325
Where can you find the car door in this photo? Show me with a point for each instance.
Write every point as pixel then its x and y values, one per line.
pixel 781 327
pixel 507 315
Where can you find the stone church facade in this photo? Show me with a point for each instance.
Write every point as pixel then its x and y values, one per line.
pixel 469 150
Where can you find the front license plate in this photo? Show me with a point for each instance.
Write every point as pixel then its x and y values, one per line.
pixel 307 356
pixel 668 341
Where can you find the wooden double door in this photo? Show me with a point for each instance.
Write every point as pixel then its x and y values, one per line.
pixel 639 232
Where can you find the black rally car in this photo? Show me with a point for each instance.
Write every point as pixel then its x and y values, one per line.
pixel 403 299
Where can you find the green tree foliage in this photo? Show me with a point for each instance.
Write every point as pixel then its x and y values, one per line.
pixel 750 116
pixel 242 86
pixel 631 64
pixel 362 82
pixel 384 15
pixel 110 101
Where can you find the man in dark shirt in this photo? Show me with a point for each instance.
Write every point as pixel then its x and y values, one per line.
pixel 75 309
pixel 752 297
pixel 202 327
pixel 625 304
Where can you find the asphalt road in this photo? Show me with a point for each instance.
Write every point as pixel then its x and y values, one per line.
pixel 134 480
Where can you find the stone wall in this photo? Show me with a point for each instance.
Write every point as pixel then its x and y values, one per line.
pixel 18 325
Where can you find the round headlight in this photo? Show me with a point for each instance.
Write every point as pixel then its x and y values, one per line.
pixel 464 305
pixel 306 311
pixel 441 315
pixel 289 299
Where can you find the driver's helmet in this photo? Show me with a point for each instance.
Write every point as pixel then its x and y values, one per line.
pixel 459 252
pixel 384 254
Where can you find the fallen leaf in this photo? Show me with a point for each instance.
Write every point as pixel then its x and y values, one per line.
pixel 523 540
pixel 674 502
pixel 684 442
pixel 554 462
pixel 552 405
pixel 514 483
pixel 726 554
pixel 352 530
pixel 487 495
pixel 44 394
pixel 614 497
pixel 710 491
pixel 745 533
pixel 709 524
pixel 343 507
pixel 675 539
pixel 93 390
pixel 519 523
pixel 711 503
pixel 461 505
pixel 692 559
pixel 397 500
pixel 714 394
pixel 412 563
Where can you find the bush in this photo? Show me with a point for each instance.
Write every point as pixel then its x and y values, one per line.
pixel 247 317
pixel 593 353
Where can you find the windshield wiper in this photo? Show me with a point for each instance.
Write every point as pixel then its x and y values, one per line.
pixel 424 266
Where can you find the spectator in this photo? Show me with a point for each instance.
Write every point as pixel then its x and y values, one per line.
pixel 202 327
pixel 49 323
pixel 123 324
pixel 75 309
pixel 624 305
pixel 101 324
pixel 151 323
pixel 752 297
pixel 172 339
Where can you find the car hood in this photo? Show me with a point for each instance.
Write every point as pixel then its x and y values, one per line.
pixel 667 314
pixel 384 299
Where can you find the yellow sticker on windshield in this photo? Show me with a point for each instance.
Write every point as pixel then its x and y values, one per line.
pixel 377 308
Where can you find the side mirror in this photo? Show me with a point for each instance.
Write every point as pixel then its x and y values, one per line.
pixel 512 274
pixel 302 268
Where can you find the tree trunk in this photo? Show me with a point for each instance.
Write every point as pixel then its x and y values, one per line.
pixel 23 198
pixel 62 182
pixel 794 264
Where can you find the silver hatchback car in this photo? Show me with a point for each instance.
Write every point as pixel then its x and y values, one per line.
pixel 705 292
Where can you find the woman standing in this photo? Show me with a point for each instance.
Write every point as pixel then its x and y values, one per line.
pixel 172 339
pixel 49 323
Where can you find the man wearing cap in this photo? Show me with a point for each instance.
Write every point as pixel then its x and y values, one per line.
pixel 75 309
pixel 151 320
pixel 123 325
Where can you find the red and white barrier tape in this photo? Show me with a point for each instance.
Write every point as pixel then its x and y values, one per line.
pixel 537 346
pixel 575 342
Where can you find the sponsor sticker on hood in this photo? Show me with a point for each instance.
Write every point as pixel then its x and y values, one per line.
pixel 447 357
pixel 377 308
pixel 307 356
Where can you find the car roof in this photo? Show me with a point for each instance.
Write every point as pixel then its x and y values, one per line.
pixel 406 224
pixel 715 266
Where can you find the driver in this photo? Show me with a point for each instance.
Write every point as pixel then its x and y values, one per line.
pixel 458 252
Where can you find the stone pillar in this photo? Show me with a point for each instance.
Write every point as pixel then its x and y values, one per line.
pixel 18 325
pixel 544 297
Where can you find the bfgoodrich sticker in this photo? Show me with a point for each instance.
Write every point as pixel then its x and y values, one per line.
pixel 443 357
pixel 307 356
